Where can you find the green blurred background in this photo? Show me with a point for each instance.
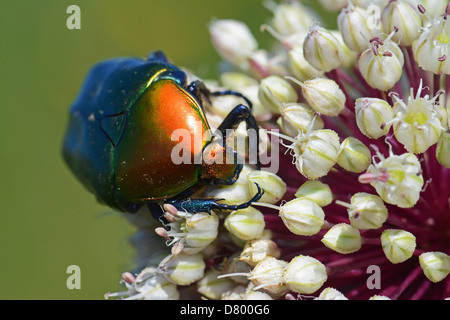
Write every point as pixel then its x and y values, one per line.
pixel 48 220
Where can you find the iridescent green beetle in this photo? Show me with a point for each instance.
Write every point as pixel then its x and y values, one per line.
pixel 118 142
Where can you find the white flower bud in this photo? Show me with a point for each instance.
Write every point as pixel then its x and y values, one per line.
pixel 246 85
pixel 367 3
pixel 182 269
pixel 353 155
pixel 236 193
pixel 257 295
pixel 246 224
pixel 299 67
pixel 373 117
pixel 274 187
pixel 398 179
pixel 201 230
pixel 366 211
pixel 398 245
pixel 322 50
pixel 443 149
pixel 316 152
pixel 316 191
pixel 435 265
pixel 268 275
pixel 237 293
pixel 233 40
pixel 343 238
pixel 406 17
pixel 348 56
pixel 297 117
pixel 353 23
pixel 148 285
pixel 190 233
pixel 416 124
pixel 323 95
pixel 434 8
pixel 290 18
pixel 431 50
pixel 305 274
pixel 331 294
pixel 257 250
pixel 274 91
pixel 334 5
pixel 382 65
pixel 213 287
pixel 378 297
pixel 236 269
pixel 302 216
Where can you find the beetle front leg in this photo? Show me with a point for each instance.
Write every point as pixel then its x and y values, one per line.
pixel 239 114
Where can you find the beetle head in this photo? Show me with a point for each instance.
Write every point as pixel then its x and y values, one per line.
pixel 220 165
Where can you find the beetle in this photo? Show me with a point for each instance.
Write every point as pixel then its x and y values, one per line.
pixel 118 141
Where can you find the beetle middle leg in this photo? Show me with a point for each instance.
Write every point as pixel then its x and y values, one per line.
pixel 198 89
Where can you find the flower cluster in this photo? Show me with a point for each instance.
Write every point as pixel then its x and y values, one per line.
pixel 362 117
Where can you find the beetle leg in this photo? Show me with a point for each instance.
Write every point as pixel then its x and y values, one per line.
pixel 198 89
pixel 206 205
pixel 232 93
pixel 234 118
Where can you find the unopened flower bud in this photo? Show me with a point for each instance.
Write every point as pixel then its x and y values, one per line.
pixel 434 8
pixel 213 287
pixel 366 211
pixel 201 230
pixel 353 23
pixel 378 297
pixel 246 85
pixel 398 180
pixel 343 238
pixel 236 193
pixel 373 117
pixel 246 224
pixel 416 124
pixel 257 250
pixel 431 50
pixel 398 245
pixel 182 269
pixel 334 5
pixel 257 295
pixel 274 91
pixel 305 274
pixel 274 187
pixel 299 67
pixel 367 3
pixel 302 216
pixel 291 18
pixel 323 95
pixel 316 152
pixel 268 275
pixel 443 149
pixel 382 65
pixel 331 294
pixel 406 17
pixel 148 285
pixel 348 56
pixel 353 155
pixel 297 117
pixel 435 265
pixel 322 50
pixel 316 191
pixel 233 40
